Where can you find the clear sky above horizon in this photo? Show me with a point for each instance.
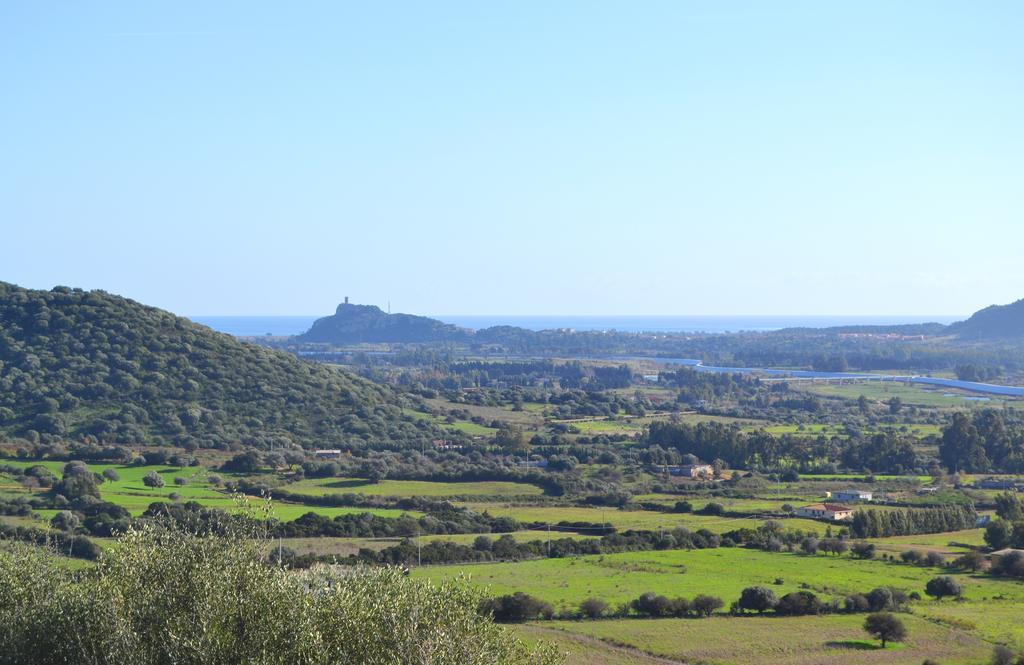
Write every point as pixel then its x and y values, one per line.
pixel 516 157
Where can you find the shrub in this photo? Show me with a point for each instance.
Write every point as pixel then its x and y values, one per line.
pixel 1011 565
pixel 910 556
pixel 178 480
pixel 65 520
pixel 152 479
pixel 934 559
pixel 111 475
pixel 942 586
pixel 799 603
pixel 863 550
pixel 704 605
pixel 969 561
pixel 856 603
pixel 516 607
pixel 1003 655
pixel 651 604
pixel 165 596
pixel 757 599
pixel 712 508
pixel 881 599
pixel 593 608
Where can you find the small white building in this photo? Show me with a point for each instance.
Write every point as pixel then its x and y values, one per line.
pixel 328 453
pixel 851 496
pixel 686 470
pixel 825 511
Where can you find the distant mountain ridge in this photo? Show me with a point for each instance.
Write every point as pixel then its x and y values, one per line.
pixel 355 324
pixel 995 321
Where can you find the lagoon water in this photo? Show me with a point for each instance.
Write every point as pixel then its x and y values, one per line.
pixel 249 326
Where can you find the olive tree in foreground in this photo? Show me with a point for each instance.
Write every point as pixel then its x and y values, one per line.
pixel 886 627
pixel 163 596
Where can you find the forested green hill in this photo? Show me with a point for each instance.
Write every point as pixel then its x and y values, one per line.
pixel 996 321
pixel 78 364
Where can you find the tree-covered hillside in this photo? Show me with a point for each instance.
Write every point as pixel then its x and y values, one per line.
pixel 999 321
pixel 88 365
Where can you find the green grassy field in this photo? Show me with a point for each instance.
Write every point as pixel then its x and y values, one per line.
pixel 346 546
pixel 580 649
pixel 747 506
pixel 814 429
pixel 824 640
pixel 914 394
pixel 722 572
pixel 464 426
pixel 527 418
pixel 632 519
pixel 407 488
pixel 938 542
pixel 134 496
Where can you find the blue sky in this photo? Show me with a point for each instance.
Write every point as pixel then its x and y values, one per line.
pixel 516 157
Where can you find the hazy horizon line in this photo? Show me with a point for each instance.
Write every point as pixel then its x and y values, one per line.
pixel 648 316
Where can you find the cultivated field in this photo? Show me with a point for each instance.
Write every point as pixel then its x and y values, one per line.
pixel 825 640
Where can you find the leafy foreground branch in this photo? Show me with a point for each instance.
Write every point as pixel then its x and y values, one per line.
pixel 164 596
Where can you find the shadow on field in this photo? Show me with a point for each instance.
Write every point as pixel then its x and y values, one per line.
pixel 341 484
pixel 860 645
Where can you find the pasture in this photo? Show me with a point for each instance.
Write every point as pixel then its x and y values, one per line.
pixel 132 494
pixel 630 519
pixel 409 488
pixel 821 640
pixel 723 572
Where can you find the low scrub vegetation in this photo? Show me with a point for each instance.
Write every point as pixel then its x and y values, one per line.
pixel 166 596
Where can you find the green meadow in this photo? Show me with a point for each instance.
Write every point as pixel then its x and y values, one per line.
pixel 631 519
pixel 409 488
pixel 818 640
pixel 722 572
pixel 133 495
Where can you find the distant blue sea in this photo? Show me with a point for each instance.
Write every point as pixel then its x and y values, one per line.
pixel 257 326
pixel 251 326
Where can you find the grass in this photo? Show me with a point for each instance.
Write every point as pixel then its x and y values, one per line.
pixel 527 418
pixel 747 506
pixel 997 620
pixel 464 426
pixel 134 496
pixel 583 650
pixel 722 572
pixel 407 488
pixel 346 546
pixel 631 519
pixel 814 429
pixel 937 542
pixel 834 639
pixel 910 394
